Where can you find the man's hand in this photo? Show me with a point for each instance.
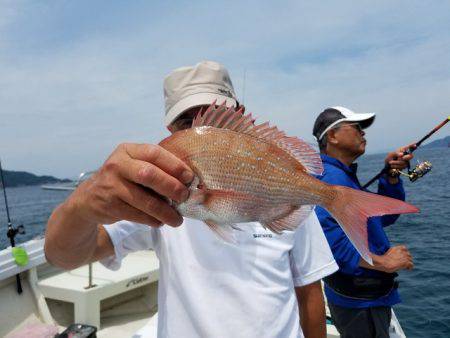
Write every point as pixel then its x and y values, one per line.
pixel 397 160
pixel 135 184
pixel 395 259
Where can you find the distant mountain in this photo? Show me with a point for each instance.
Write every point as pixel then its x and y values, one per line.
pixel 443 142
pixel 21 178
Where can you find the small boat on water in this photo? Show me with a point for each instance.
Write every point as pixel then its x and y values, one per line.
pixel 71 185
pixel 120 303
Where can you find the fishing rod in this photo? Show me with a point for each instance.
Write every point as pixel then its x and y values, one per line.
pixel 12 232
pixel 421 169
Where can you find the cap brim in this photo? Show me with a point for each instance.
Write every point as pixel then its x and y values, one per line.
pixel 195 100
pixel 365 120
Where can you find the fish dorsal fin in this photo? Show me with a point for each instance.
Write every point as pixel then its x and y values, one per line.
pixel 229 118
pixel 304 153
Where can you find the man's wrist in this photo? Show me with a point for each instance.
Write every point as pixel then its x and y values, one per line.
pixel 392 180
pixel 392 176
pixel 384 264
pixel 379 263
pixel 70 240
pixel 73 210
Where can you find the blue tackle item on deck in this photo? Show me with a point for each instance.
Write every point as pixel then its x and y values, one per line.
pixel 345 254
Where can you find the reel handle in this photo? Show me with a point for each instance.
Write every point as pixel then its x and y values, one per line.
pixel 20 229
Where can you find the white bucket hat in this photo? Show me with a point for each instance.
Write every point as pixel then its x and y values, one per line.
pixel 194 86
pixel 330 117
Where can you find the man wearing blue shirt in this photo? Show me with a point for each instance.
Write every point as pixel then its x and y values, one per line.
pixel 360 296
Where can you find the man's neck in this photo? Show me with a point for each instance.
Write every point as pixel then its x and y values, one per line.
pixel 341 156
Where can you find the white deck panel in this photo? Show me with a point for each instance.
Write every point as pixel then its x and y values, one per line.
pixel 137 269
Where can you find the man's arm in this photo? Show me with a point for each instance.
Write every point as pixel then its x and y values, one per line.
pixel 131 185
pixel 311 260
pixel 344 251
pixel 392 186
pixel 102 248
pixel 89 241
pixel 312 310
pixel 393 190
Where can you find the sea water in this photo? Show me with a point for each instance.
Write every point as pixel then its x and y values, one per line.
pixel 425 291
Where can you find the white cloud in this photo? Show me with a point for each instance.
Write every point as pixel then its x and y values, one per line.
pixel 71 87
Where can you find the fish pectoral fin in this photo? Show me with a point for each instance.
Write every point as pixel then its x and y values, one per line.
pixel 290 221
pixel 224 232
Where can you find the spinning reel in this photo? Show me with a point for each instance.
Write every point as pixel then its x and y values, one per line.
pixel 420 170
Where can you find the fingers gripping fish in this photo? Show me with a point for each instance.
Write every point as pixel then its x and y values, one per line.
pixel 255 173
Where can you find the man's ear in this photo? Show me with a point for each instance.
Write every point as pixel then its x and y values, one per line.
pixel 331 136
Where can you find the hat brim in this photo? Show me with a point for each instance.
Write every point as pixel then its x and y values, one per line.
pixel 365 120
pixel 196 100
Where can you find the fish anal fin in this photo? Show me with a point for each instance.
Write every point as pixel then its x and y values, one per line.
pixel 224 232
pixel 290 221
pixel 228 118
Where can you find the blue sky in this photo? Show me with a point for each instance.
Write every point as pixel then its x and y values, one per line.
pixel 79 77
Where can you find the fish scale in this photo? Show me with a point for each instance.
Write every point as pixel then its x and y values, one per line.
pixel 240 172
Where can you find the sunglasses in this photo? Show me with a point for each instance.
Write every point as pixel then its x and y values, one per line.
pixel 355 125
pixel 182 123
pixel 185 120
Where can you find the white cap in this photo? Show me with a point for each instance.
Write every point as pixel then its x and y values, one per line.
pixel 332 116
pixel 194 86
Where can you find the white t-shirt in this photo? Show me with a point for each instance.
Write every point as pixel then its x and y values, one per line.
pixel 209 288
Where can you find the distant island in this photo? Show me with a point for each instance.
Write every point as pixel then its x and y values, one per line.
pixel 443 142
pixel 22 178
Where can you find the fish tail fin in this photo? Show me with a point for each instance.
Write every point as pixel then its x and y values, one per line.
pixel 351 208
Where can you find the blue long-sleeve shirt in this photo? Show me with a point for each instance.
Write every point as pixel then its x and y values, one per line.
pixel 345 254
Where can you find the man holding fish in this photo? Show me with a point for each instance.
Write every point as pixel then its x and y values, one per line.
pixel 249 183
pixel 360 295
pixel 240 282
